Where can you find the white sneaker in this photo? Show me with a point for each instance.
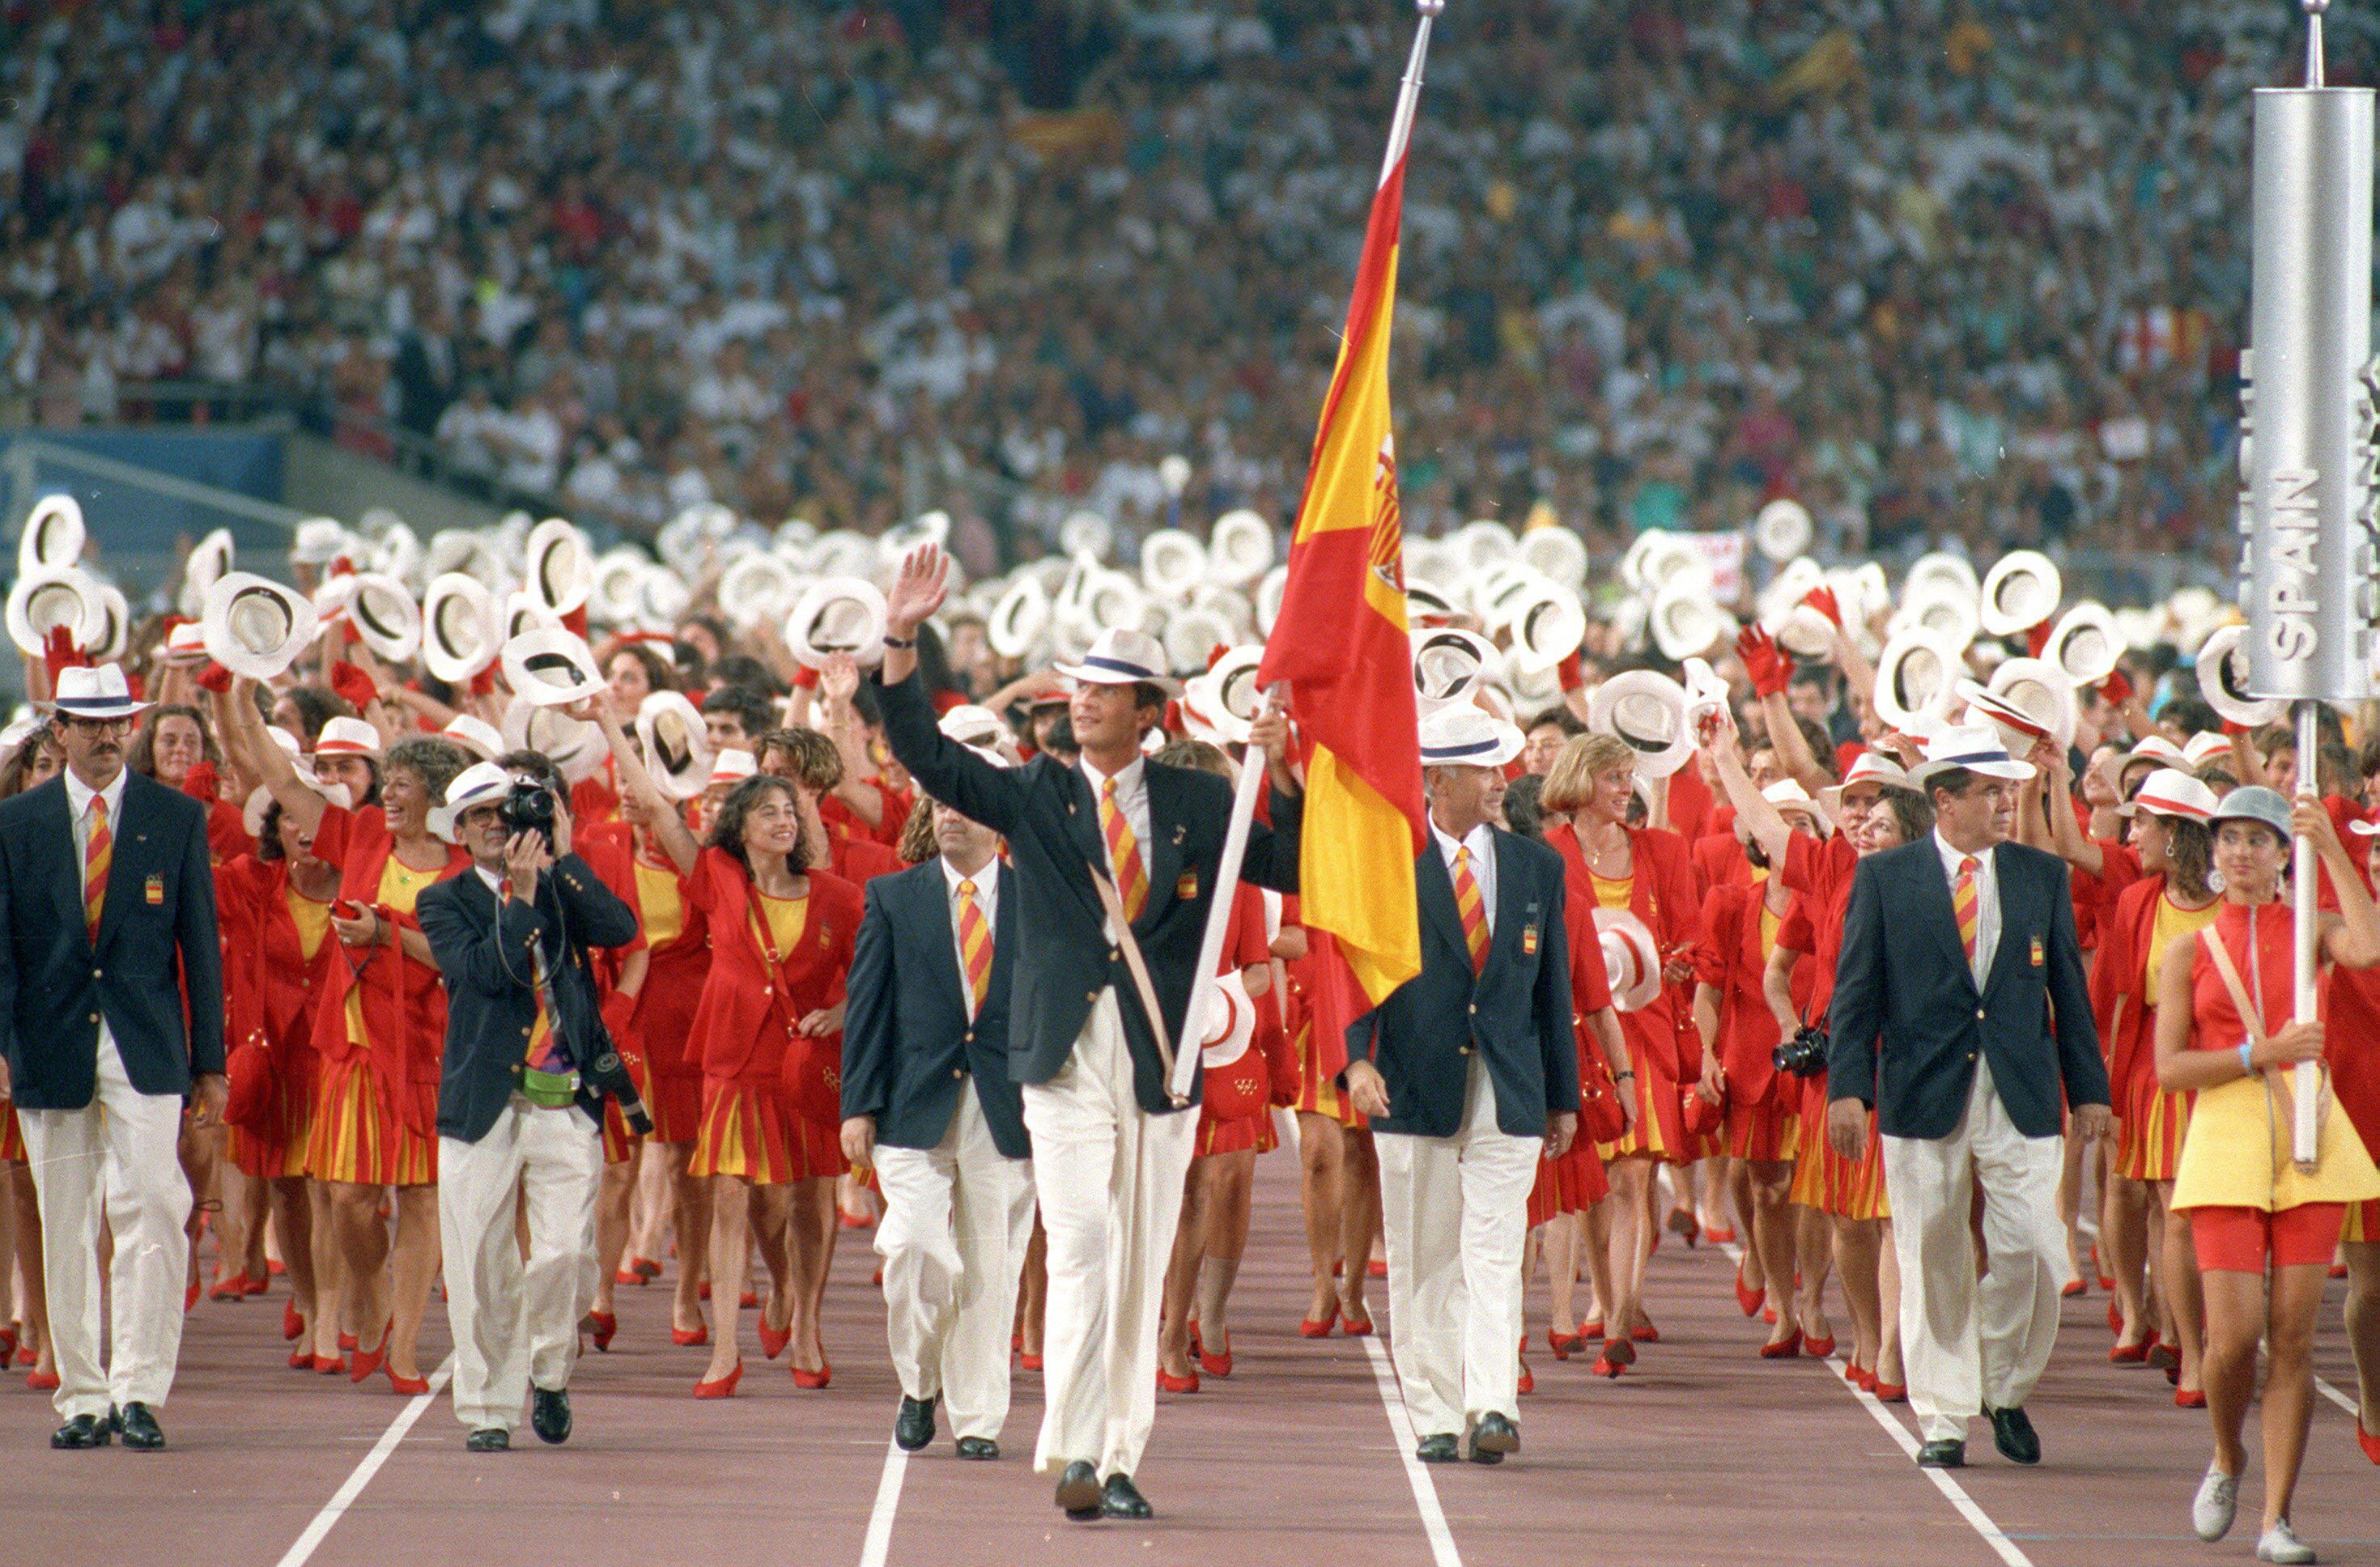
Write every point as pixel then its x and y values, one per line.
pixel 2218 1499
pixel 2281 1544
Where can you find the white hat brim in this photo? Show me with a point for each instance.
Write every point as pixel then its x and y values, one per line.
pixel 223 598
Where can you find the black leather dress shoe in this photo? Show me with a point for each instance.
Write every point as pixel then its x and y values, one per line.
pixel 490 1439
pixel 1079 1492
pixel 139 1428
pixel 982 1449
pixel 1439 1449
pixel 83 1430
pixel 1121 1499
pixel 549 1414
pixel 1947 1453
pixel 1492 1437
pixel 913 1428
pixel 2013 1435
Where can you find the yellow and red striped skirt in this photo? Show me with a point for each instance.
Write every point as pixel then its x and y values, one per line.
pixel 1770 1131
pixel 1318 1094
pixel 2149 1133
pixel 749 1130
pixel 362 1129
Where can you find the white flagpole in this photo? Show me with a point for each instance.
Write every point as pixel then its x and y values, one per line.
pixel 1252 766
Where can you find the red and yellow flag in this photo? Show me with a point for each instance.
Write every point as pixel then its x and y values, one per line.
pixel 1340 642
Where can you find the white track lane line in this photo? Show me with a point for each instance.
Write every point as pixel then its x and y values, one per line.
pixel 2340 1399
pixel 1425 1491
pixel 1952 1492
pixel 332 1510
pixel 888 1504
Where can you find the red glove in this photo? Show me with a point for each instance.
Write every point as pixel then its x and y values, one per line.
pixel 619 1008
pixel 484 682
pixel 214 677
pixel 1285 1082
pixel 1823 601
pixel 58 652
pixel 203 782
pixel 2116 688
pixel 353 685
pixel 1572 678
pixel 2236 731
pixel 2035 640
pixel 1770 666
pixel 805 679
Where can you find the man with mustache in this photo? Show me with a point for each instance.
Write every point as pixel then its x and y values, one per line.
pixel 106 895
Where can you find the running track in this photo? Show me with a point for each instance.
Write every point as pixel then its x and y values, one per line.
pixel 1702 1454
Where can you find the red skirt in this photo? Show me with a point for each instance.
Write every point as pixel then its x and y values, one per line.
pixel 1770 1131
pixel 2149 1131
pixel 1845 1188
pixel 750 1130
pixel 296 1073
pixel 1239 1132
pixel 1661 1129
pixel 1318 1095
pixel 362 1131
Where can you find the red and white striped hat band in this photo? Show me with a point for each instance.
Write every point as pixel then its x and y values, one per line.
pixel 2171 792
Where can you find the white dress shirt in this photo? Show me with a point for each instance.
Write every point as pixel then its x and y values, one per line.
pixel 1481 842
pixel 1132 798
pixel 987 899
pixel 79 797
pixel 1987 901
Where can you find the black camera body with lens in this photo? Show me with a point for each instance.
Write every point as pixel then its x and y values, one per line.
pixel 527 809
pixel 1803 1055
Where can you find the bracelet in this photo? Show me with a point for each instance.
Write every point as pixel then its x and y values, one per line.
pixel 2247 1059
pixel 893 641
pixel 1620 1076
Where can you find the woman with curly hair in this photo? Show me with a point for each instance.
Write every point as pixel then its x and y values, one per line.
pixel 769 1032
pixel 381 1028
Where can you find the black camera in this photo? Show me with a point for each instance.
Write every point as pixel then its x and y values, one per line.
pixel 608 1072
pixel 527 809
pixel 1803 1055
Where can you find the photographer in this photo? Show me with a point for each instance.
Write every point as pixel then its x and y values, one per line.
pixel 520 1106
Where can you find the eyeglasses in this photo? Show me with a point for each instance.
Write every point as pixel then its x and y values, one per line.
pixel 117 725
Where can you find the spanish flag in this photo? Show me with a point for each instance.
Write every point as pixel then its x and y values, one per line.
pixel 1340 643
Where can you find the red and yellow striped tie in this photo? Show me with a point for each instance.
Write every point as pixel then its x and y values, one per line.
pixel 98 853
pixel 1962 903
pixel 975 946
pixel 1472 908
pixel 1123 852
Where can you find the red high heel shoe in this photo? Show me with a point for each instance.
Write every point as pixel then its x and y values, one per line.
pixel 1818 1349
pixel 1562 1344
pixel 646 1266
pixel 1768 1316
pixel 2073 1287
pixel 1355 1327
pixel 2130 1354
pixel 347 1344
pixel 1376 1269
pixel 409 1387
pixel 2363 1439
pixel 749 1300
pixel 1890 1393
pixel 27 1355
pixel 41 1382
pixel 1748 1300
pixel 252 1285
pixel 190 1300
pixel 1591 1331
pixel 1646 1333
pixel 2114 1318
pixel 1307 1327
pixel 1028 1362
pixel 273 1270
pixel 603 1325
pixel 723 1387
pixel 8 1345
pixel 1528 1381
pixel 1786 1348
pixel 774 1340
pixel 1617 1357
pixel 2192 1398
pixel 1861 1377
pixel 301 1360
pixel 1217 1364
pixel 813 1380
pixel 630 1276
pixel 684 1337
pixel 331 1365
pixel 1169 1383
pixel 233 1288
pixel 702 1291
pixel 291 1323
pixel 360 1365
pixel 1723 1236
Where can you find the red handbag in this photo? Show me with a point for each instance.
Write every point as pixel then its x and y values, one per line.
pixel 1242 1089
pixel 1702 1117
pixel 250 1102
pixel 1600 1117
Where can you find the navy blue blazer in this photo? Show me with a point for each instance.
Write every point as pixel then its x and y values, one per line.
pixel 157 940
pixel 1905 997
pixel 907 1045
pixel 1515 1014
pixel 1052 822
pixel 485 949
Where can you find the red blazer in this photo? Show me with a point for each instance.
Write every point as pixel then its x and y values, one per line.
pixel 662 1020
pixel 274 989
pixel 748 1012
pixel 1662 893
pixel 1730 961
pixel 404 1002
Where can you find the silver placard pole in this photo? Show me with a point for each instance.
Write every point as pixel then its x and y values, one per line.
pixel 2307 450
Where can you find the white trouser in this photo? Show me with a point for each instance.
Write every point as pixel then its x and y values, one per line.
pixel 1966 1342
pixel 1455 1213
pixel 957 1219
pixel 1110 1179
pixel 117 1152
pixel 516 1324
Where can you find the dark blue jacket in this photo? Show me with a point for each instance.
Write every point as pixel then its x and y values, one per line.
pixel 485 951
pixel 1052 822
pixel 1515 1014
pixel 907 1045
pixel 1904 994
pixel 157 940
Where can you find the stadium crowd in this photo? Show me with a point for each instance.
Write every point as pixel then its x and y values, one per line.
pixel 1969 268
